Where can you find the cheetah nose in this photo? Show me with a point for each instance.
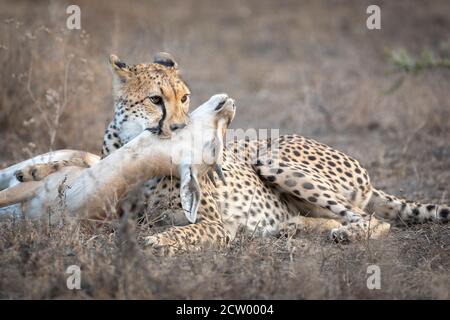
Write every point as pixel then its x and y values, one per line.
pixel 177 126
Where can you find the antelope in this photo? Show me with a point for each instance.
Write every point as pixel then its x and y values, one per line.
pixel 95 189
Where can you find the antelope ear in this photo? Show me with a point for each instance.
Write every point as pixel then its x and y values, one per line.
pixel 120 69
pixel 165 59
pixel 189 192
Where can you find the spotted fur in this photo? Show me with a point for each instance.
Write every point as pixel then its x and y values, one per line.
pixel 304 180
pixel 310 180
pixel 307 180
pixel 147 96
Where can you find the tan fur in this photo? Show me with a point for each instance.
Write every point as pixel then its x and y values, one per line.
pixel 133 89
pixel 308 180
pixel 96 191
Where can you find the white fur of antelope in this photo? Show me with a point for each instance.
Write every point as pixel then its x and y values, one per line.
pixel 95 191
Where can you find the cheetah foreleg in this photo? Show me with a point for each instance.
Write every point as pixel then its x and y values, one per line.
pixel 189 238
pixel 360 230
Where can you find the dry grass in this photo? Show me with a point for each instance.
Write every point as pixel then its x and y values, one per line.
pixel 414 264
pixel 290 65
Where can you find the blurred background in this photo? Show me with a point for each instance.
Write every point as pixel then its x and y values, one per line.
pixel 307 67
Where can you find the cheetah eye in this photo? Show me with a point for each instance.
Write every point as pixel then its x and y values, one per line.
pixel 184 98
pixel 156 99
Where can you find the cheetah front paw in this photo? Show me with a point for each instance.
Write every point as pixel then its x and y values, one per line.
pixel 349 233
pixel 359 231
pixel 339 235
pixel 159 246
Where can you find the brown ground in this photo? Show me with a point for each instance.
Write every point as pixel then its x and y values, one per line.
pixel 309 67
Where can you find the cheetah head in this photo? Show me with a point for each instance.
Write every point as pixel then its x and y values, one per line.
pixel 149 96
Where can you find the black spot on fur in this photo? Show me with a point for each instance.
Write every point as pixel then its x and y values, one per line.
pixel 290 183
pixel 308 186
pixel 298 174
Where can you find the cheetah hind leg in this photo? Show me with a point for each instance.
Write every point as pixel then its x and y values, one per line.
pixel 37 172
pixel 367 228
pixel 315 196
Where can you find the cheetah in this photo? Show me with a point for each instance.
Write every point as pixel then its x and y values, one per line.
pixel 267 193
pixel 303 181
pixel 94 193
pixel 147 96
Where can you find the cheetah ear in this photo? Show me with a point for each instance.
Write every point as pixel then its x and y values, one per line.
pixel 120 68
pixel 165 59
pixel 189 192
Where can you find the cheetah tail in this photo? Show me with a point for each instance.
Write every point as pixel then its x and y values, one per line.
pixel 404 211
